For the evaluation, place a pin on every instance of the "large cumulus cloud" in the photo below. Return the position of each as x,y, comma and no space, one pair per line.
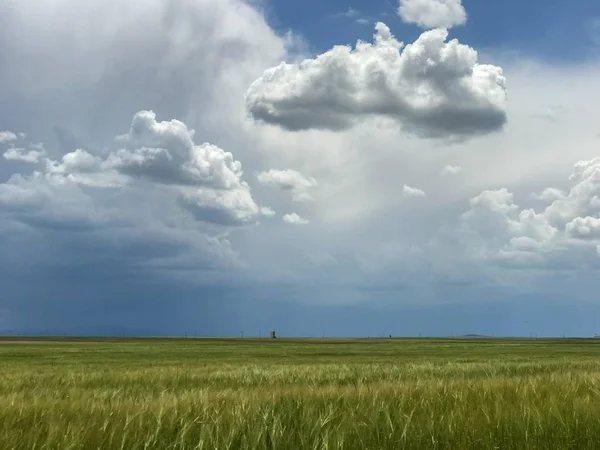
206,178
431,88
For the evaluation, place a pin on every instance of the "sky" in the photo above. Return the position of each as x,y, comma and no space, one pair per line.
363,168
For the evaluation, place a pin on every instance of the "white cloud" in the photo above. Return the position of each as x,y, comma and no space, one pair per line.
408,191
79,161
451,170
584,228
350,13
231,207
295,219
549,195
32,155
433,13
207,178
569,223
432,88
7,136
289,180
81,167
496,201
165,152
355,15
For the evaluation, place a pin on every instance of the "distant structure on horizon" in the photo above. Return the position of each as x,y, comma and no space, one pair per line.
273,335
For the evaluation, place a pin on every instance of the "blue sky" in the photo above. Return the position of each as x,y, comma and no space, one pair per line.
556,30
162,171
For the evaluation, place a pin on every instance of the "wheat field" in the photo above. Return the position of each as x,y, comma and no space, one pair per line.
299,394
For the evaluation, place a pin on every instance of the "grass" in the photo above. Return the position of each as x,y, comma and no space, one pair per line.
293,394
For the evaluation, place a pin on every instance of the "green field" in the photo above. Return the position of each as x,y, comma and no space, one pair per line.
295,394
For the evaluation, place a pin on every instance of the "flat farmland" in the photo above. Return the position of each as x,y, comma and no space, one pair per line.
299,394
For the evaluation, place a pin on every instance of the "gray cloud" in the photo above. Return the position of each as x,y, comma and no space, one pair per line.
431,88
167,55
33,201
289,180
94,226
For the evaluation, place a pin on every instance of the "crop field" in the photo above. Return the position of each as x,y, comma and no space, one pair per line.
299,394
